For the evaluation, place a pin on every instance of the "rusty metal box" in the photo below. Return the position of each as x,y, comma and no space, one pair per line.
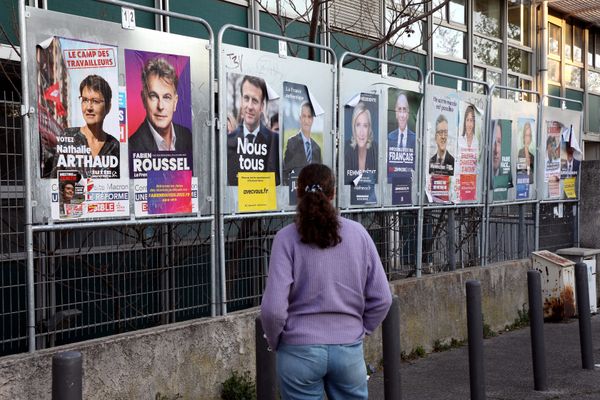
558,284
588,257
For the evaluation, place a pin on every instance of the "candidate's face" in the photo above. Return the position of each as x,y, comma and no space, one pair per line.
93,107
362,126
497,147
527,137
68,192
252,105
402,111
441,136
470,124
306,121
160,103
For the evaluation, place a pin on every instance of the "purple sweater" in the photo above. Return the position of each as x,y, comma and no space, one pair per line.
324,296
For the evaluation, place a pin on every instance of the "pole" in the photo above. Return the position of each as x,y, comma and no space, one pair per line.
536,321
475,331
266,387
67,376
583,309
390,331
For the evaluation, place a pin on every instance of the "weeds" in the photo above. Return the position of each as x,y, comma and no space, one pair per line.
239,387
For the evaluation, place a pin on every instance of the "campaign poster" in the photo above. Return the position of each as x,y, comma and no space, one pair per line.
441,147
78,120
361,122
403,107
253,127
159,129
501,177
302,132
525,166
470,128
552,157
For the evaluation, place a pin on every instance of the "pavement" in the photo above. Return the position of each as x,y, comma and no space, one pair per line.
508,368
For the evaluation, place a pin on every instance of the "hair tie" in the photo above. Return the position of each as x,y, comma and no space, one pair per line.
313,188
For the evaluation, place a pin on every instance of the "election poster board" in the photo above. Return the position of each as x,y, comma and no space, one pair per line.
513,150
561,154
91,96
454,134
274,121
379,140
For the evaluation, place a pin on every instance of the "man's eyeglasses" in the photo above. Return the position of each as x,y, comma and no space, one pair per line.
94,102
442,132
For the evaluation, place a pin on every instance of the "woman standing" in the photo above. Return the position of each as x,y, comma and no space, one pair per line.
326,289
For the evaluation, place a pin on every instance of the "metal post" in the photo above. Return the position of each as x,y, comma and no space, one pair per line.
390,331
266,375
583,309
475,331
451,240
522,232
67,376
536,322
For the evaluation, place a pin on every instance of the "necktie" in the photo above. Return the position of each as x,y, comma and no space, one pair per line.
308,152
401,140
250,138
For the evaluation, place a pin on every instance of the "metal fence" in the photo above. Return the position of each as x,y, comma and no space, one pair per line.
90,283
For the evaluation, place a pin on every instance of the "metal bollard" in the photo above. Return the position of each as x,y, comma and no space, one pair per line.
583,309
536,322
266,374
475,331
67,376
390,331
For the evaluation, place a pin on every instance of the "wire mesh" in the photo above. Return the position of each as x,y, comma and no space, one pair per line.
13,277
451,239
97,282
511,232
558,224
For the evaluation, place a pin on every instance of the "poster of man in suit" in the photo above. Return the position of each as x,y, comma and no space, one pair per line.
252,146
302,133
401,142
159,125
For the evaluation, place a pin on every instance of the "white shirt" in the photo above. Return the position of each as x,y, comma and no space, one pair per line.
160,142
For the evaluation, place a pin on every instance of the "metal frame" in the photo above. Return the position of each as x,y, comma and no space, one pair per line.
27,112
223,217
484,203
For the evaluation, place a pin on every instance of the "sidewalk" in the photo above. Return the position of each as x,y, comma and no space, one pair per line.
508,369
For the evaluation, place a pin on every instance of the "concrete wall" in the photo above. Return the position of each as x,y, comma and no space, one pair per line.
589,214
193,358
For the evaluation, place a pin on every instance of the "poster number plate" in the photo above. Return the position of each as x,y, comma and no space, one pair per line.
127,18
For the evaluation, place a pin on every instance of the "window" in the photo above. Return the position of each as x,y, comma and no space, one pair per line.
594,81
448,42
554,39
485,75
554,70
410,37
287,8
518,60
518,23
486,51
486,17
568,41
449,29
578,44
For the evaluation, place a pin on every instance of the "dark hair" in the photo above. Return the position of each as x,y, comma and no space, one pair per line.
258,82
162,69
316,218
97,84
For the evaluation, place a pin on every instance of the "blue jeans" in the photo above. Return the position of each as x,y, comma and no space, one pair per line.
305,371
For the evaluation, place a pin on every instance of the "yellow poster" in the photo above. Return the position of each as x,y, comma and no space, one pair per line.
256,191
569,187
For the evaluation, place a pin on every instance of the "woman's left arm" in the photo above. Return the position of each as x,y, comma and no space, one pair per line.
275,301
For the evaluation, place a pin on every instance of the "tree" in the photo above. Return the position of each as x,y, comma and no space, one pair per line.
402,18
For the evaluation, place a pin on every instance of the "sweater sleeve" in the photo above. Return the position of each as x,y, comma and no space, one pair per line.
378,297
275,302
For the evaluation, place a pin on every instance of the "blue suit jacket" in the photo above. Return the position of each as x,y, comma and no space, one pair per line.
411,139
